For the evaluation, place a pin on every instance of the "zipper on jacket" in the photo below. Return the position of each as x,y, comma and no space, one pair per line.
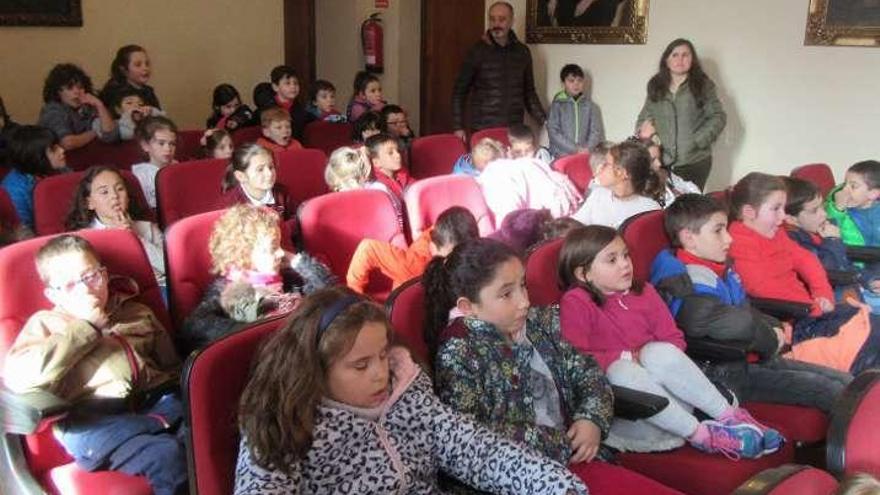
577,122
129,354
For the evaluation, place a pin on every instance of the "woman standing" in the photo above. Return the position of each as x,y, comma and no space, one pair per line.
683,110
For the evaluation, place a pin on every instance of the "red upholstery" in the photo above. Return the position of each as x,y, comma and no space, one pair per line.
406,312
435,155
121,155
802,424
428,198
184,189
541,279
212,410
69,479
497,133
3,171
122,253
645,236
302,171
246,135
577,168
853,435
327,136
8,214
332,225
790,479
54,196
819,174
189,146
603,478
189,262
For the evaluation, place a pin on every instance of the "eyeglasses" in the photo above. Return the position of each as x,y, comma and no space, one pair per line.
91,279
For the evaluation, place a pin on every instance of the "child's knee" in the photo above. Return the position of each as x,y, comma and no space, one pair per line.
660,355
625,372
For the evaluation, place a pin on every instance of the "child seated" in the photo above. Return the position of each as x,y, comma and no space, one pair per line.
674,185
158,139
331,404
388,172
473,163
773,266
453,227
103,201
625,325
626,186
72,112
34,152
503,364
367,125
322,106
284,93
707,299
129,109
573,124
97,346
347,169
367,96
276,131
395,123
255,277
218,144
524,145
229,112
853,206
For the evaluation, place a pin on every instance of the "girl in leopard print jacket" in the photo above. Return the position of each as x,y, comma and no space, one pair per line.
355,415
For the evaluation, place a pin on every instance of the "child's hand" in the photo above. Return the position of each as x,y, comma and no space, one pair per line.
91,100
98,318
874,285
780,338
824,304
584,436
828,229
842,199
120,220
647,129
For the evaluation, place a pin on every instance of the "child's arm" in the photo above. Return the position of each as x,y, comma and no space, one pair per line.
372,255
810,270
55,116
104,126
662,324
251,479
577,317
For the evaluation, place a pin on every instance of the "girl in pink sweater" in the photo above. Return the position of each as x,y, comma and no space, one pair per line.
627,327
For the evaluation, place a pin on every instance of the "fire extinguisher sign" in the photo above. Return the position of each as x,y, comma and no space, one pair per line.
382,4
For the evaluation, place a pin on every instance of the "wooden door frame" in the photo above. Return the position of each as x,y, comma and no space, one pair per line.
299,18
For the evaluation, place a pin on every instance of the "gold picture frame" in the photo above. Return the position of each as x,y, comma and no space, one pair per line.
843,23
608,22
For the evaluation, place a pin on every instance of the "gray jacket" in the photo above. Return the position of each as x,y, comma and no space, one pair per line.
573,124
64,120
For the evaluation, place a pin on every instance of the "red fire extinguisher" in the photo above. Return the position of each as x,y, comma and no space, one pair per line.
371,41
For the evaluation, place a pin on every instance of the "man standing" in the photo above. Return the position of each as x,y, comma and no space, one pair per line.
497,71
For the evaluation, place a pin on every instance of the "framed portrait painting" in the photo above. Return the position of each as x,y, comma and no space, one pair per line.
40,13
587,21
843,23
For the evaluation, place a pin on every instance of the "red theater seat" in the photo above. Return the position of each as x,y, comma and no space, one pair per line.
435,155
189,146
54,196
248,134
577,169
37,456
497,133
819,174
406,312
121,155
790,479
302,172
212,411
327,136
428,198
853,436
8,215
184,189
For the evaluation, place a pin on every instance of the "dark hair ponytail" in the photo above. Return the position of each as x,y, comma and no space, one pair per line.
635,158
241,160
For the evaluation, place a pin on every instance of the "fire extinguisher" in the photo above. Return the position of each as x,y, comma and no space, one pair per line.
371,41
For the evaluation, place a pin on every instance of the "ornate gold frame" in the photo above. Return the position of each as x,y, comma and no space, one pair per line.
818,33
632,31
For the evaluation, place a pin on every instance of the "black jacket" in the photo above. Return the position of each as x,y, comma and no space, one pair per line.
501,85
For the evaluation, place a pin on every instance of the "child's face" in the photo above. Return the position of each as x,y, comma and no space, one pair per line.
656,163
574,85
230,107
130,104
503,302
267,254
55,154
860,195
361,377
108,197
72,95
259,177
373,93
481,160
287,88
397,124
278,131
522,149
77,284
611,270
811,217
768,217
711,242
161,147
138,69
609,173
325,100
224,149
388,158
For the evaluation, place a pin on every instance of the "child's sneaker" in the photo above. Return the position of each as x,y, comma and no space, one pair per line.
773,440
734,441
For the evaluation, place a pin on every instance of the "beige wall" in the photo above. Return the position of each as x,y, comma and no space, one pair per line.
193,44
787,103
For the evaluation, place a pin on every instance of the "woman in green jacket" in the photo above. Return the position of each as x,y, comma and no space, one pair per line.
683,111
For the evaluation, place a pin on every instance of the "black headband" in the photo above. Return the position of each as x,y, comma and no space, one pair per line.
331,313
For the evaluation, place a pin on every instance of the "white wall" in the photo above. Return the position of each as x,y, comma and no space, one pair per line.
787,104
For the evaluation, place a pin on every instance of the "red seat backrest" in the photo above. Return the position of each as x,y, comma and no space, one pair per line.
428,198
497,133
406,312
577,168
189,262
302,172
212,410
819,174
645,236
332,225
8,214
189,146
248,134
789,479
54,197
541,279
121,155
327,136
187,188
435,155
853,435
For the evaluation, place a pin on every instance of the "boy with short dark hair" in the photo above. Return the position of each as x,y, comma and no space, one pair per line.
277,134
574,124
707,299
395,123
285,89
854,205
524,145
112,356
322,103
